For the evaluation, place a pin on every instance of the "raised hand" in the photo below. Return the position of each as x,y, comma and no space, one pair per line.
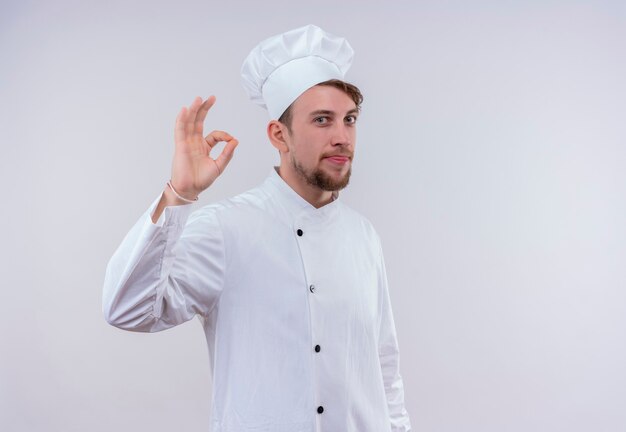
193,169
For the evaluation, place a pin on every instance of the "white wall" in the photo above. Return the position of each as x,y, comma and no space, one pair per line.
491,160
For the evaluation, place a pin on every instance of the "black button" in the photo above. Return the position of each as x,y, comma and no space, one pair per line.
320,409
300,232
317,348
312,288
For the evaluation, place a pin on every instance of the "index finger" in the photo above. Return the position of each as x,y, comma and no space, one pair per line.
217,136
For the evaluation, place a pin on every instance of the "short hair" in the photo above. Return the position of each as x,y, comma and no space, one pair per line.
349,89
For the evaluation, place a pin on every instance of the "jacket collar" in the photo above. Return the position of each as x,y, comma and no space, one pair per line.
296,206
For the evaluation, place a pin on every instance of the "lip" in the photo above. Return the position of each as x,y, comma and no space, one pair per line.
340,160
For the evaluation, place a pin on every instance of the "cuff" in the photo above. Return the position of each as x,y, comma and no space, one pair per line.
172,215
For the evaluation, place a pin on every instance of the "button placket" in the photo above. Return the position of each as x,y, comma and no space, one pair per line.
310,274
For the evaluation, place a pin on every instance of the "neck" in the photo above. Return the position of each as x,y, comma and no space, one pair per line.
312,194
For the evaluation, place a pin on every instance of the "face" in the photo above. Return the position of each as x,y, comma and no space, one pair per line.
322,139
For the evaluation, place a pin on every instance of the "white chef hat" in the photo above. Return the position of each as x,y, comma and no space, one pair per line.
282,67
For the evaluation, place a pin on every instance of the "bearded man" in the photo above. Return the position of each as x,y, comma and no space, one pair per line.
289,282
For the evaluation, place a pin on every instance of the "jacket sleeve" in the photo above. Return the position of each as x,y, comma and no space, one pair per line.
389,356
165,273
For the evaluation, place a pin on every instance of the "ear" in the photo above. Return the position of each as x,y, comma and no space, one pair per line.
278,135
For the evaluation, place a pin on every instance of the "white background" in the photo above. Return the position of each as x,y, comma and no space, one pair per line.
490,158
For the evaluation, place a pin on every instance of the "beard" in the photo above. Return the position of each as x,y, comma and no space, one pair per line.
318,178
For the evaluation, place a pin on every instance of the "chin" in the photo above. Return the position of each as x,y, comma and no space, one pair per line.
323,179
330,183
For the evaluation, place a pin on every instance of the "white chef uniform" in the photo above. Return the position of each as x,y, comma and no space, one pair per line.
293,301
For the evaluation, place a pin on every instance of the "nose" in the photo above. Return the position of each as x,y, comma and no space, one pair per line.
343,135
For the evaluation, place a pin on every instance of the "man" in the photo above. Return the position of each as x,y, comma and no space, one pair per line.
288,282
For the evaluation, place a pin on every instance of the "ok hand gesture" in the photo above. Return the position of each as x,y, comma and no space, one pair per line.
193,169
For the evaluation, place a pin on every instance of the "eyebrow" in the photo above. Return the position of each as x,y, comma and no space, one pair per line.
332,113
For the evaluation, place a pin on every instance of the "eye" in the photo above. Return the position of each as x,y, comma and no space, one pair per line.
321,120
350,119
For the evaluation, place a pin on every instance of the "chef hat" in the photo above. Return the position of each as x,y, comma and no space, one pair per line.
282,67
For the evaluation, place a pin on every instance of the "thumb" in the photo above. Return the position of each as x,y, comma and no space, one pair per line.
226,155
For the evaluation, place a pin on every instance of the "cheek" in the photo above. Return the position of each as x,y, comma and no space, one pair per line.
309,156
301,152
310,147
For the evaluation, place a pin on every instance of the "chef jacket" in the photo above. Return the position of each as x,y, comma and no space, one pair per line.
293,300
